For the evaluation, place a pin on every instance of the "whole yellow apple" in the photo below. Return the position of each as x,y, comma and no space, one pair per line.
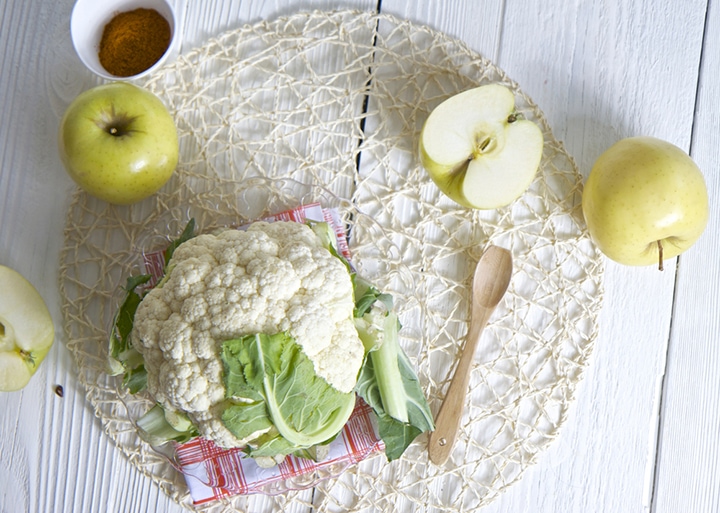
118,142
645,201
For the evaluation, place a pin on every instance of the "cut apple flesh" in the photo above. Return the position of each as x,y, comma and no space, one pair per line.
477,152
500,176
14,372
26,330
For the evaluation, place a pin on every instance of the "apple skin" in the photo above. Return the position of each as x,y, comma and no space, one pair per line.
477,152
118,142
26,330
640,191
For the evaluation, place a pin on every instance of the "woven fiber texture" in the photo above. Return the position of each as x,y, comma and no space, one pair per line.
328,106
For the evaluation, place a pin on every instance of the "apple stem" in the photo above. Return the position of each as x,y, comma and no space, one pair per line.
28,357
660,254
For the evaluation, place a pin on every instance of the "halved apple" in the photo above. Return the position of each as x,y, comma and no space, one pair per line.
478,151
26,330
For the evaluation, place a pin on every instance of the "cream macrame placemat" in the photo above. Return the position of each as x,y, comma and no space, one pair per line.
328,106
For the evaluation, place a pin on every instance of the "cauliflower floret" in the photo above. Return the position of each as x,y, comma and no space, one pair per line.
271,278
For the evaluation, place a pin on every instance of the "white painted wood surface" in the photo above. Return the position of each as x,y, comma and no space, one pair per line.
644,434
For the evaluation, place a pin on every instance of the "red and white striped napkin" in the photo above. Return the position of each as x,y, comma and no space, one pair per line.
212,473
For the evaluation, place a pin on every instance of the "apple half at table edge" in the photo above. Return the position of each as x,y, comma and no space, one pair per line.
26,330
478,151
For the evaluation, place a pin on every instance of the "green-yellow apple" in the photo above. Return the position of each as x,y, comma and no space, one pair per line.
26,330
118,142
478,151
645,201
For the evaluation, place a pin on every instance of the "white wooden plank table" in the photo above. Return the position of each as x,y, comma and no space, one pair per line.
644,433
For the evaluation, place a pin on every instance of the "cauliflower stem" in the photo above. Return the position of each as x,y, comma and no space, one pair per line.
385,365
158,426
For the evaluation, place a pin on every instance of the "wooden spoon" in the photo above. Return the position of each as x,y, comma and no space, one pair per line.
491,280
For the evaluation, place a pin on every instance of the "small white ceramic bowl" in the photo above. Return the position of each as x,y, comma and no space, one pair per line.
89,18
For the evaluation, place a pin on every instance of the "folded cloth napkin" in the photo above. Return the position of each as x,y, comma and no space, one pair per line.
212,473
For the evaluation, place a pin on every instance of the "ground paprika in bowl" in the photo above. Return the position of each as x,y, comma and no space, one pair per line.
123,39
133,41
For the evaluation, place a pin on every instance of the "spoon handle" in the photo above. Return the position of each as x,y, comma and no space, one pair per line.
447,422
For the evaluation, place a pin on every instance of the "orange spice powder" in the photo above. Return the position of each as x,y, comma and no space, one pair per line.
133,41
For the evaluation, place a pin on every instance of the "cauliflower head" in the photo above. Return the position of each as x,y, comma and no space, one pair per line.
271,278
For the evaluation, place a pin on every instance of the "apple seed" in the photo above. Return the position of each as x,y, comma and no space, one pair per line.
484,144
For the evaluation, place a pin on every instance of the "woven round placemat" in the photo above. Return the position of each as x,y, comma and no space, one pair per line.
328,106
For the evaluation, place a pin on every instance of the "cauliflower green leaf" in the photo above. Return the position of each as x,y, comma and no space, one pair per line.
123,358
389,384
187,234
271,388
